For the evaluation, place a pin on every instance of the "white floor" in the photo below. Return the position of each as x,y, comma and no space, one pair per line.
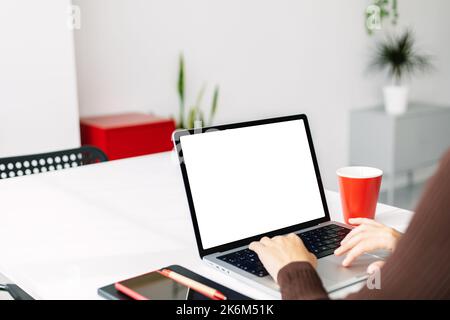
406,197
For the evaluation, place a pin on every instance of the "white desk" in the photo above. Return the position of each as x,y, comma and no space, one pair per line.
64,234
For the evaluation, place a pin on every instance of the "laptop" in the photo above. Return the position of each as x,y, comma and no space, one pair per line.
260,178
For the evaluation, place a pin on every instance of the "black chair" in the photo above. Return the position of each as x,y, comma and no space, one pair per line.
37,163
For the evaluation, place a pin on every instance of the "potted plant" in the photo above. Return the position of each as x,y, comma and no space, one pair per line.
399,56
195,116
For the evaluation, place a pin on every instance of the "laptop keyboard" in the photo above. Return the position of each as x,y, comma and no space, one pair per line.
246,260
321,242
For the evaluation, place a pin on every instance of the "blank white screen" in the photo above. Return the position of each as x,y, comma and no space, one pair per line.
251,180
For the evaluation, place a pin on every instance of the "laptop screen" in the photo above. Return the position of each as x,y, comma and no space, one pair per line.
251,180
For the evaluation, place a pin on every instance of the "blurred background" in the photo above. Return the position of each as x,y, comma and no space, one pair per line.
269,58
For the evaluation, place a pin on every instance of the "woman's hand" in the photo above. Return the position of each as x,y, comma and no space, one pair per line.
369,235
279,251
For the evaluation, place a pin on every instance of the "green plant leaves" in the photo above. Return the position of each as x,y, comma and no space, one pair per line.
385,11
194,113
191,118
399,56
200,95
180,90
214,104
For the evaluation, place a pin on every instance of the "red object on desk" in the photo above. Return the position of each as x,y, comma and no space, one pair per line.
128,135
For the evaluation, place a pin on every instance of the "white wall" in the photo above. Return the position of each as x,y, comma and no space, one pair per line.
38,97
270,57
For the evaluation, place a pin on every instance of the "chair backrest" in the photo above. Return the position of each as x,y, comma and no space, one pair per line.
43,162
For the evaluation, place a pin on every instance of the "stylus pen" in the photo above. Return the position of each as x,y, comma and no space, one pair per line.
194,285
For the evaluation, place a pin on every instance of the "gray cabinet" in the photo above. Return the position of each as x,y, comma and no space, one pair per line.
399,144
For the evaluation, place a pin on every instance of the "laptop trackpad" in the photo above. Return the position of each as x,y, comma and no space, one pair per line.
333,274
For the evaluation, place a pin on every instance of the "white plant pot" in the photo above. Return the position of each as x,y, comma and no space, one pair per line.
396,99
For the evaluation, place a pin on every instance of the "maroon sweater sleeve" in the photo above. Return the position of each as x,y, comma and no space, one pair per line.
419,268
299,280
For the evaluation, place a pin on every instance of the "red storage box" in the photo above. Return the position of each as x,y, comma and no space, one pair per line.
128,135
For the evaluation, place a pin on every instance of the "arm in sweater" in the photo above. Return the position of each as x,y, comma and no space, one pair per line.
418,268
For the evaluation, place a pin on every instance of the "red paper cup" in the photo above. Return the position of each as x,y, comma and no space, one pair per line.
359,188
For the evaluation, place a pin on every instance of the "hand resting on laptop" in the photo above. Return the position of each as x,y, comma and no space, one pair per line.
368,236
279,251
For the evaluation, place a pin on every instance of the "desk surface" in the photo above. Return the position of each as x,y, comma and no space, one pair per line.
64,234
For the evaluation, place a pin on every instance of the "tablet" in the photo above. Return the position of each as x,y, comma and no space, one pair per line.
153,286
